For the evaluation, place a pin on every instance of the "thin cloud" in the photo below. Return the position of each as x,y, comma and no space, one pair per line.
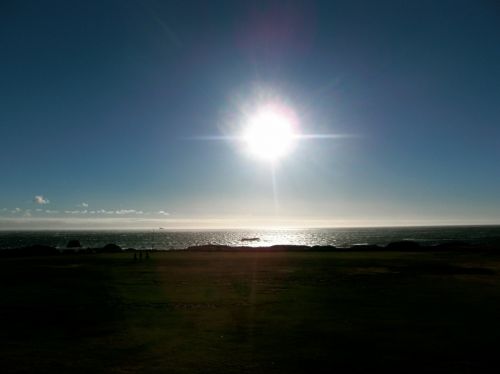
124,211
128,211
119,212
83,205
103,211
163,213
39,199
76,211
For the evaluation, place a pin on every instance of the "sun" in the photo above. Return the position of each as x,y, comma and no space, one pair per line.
269,134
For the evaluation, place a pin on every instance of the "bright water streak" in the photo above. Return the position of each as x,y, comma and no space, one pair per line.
340,237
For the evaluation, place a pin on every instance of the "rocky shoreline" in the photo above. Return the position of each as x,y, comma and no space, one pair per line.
400,246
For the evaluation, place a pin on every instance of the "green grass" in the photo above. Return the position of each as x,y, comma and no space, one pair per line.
284,312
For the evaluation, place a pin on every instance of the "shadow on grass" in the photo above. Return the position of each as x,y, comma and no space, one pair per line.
250,313
56,314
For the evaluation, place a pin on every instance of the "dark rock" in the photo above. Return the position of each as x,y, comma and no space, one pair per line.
452,246
73,244
210,247
226,248
324,248
405,245
365,247
111,248
290,248
86,251
34,250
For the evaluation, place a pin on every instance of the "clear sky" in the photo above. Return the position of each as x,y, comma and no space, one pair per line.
121,113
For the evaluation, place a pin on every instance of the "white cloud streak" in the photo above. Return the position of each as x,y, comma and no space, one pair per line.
128,211
76,211
95,212
39,199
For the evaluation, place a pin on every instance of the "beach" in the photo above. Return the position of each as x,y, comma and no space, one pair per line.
250,312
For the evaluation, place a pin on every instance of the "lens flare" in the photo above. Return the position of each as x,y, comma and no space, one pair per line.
269,134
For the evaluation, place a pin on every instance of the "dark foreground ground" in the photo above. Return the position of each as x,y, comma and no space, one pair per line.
284,312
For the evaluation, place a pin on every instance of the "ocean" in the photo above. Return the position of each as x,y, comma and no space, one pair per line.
180,239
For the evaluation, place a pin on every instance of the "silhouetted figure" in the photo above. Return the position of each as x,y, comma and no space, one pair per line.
147,255
140,255
135,256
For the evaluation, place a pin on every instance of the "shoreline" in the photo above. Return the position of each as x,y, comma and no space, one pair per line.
37,250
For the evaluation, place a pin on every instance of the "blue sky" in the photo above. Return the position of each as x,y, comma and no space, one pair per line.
104,103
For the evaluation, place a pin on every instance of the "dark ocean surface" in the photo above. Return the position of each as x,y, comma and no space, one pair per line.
340,237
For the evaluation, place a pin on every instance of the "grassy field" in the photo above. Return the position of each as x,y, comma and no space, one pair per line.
285,312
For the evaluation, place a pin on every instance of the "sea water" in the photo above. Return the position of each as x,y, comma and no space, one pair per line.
180,239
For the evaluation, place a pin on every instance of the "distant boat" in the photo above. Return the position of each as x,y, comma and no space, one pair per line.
250,239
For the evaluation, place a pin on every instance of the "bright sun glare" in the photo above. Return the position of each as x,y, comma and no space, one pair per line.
269,134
